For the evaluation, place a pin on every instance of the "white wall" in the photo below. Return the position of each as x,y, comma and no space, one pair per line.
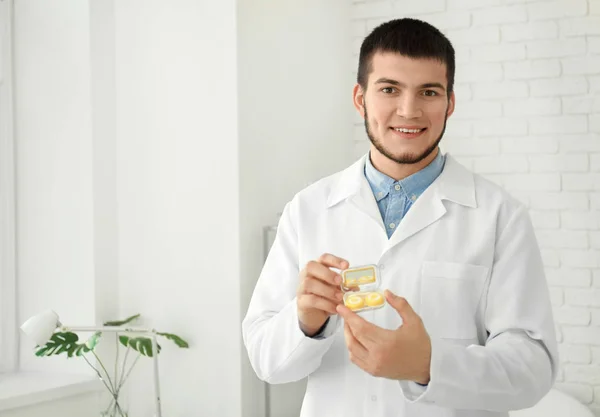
295,117
177,165
528,117
53,136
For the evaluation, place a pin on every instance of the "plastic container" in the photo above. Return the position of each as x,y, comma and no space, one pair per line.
361,288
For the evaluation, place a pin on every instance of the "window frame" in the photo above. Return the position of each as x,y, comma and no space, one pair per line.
9,336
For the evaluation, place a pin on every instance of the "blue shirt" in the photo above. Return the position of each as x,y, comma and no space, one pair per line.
395,198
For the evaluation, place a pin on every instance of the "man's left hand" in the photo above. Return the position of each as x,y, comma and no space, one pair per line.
403,354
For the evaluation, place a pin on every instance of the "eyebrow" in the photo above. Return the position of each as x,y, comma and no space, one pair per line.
394,82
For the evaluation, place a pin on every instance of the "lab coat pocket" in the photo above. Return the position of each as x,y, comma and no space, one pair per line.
450,294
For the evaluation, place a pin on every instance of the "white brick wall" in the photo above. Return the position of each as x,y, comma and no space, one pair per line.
528,117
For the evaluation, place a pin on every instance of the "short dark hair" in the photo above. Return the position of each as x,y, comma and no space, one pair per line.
409,37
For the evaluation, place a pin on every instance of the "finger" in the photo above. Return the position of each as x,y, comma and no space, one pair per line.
322,272
308,301
355,348
366,333
401,306
333,261
317,287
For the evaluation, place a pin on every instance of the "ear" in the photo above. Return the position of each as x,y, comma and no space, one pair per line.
451,104
358,98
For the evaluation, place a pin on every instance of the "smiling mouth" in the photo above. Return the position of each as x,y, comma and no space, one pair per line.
404,130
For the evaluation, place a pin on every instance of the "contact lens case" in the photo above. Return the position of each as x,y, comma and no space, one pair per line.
361,288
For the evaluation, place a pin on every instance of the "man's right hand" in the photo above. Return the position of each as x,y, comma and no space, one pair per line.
319,292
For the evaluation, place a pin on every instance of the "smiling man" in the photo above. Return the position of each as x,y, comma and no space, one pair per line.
467,329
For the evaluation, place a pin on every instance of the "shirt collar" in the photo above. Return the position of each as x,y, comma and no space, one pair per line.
413,185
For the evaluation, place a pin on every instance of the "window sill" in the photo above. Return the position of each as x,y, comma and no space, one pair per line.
28,388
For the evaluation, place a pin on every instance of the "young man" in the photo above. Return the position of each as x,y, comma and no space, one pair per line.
467,329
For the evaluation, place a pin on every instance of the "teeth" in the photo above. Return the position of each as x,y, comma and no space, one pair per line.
407,130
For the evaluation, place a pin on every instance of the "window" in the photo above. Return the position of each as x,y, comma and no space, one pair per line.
8,317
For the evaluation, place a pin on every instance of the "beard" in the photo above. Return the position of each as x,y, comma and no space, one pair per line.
406,158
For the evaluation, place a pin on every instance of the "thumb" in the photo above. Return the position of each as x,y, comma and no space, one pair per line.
400,305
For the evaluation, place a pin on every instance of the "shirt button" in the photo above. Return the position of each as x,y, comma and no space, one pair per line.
392,225
414,197
380,194
373,397
397,187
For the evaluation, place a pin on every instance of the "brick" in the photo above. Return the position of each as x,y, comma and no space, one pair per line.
550,258
560,9
471,4
594,11
594,82
595,239
505,89
582,335
580,220
576,316
595,201
581,182
589,374
499,53
458,129
497,15
559,337
529,31
463,92
475,36
583,297
546,68
577,105
596,105
472,147
532,107
579,143
581,65
582,392
580,258
451,19
358,28
595,162
581,26
562,239
556,48
575,353
477,110
532,182
569,277
564,86
527,145
501,164
556,296
593,45
560,163
594,123
559,201
558,124
479,72
408,7
545,219
500,127
370,10
465,161
596,322
560,375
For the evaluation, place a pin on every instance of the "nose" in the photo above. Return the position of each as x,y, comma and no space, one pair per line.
408,107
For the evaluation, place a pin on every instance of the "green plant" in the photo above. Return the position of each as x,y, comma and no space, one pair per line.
68,343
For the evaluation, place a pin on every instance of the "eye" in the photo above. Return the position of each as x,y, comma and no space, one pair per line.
388,90
430,93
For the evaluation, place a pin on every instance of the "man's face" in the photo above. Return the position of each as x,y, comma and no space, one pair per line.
405,106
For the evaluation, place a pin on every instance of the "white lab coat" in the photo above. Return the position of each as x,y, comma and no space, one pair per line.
465,257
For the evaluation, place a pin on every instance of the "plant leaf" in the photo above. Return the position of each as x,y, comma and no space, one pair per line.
122,322
93,340
124,340
176,339
142,345
60,342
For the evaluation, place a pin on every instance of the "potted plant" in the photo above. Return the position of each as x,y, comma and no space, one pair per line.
68,343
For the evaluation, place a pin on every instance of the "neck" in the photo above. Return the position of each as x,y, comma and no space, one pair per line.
399,171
